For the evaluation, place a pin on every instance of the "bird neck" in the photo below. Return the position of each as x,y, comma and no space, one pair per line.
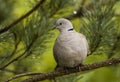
67,31
71,29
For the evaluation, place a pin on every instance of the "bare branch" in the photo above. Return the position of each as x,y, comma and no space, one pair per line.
5,29
52,75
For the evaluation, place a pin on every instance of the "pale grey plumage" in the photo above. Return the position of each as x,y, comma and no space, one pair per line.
71,47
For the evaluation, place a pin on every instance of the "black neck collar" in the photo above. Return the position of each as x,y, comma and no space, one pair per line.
71,29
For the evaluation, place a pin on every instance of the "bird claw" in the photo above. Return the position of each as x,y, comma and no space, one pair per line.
78,67
58,68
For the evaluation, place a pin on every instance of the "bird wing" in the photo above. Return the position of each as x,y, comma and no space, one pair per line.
85,41
55,52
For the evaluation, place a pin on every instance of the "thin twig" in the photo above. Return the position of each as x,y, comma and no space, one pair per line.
22,75
12,71
5,29
52,75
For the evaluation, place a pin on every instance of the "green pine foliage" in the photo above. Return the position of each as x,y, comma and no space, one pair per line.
100,28
29,43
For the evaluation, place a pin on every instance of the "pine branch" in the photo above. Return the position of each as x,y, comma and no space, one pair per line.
52,75
18,57
5,29
15,46
80,11
16,43
114,47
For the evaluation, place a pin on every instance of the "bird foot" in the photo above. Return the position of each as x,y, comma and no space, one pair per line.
78,67
58,68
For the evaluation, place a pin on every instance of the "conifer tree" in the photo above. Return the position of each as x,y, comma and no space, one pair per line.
26,41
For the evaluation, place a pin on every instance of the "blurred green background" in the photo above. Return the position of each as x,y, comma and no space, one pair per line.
33,37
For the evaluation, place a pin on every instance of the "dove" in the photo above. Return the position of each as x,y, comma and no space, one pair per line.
70,48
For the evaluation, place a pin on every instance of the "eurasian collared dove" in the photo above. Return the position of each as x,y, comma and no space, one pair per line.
71,47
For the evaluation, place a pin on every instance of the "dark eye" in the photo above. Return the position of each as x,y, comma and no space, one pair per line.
60,23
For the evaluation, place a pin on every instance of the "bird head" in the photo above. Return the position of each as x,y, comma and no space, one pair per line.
63,24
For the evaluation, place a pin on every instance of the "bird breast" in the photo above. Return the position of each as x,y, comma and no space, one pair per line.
70,49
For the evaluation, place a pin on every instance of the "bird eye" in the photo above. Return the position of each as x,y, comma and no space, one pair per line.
60,23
